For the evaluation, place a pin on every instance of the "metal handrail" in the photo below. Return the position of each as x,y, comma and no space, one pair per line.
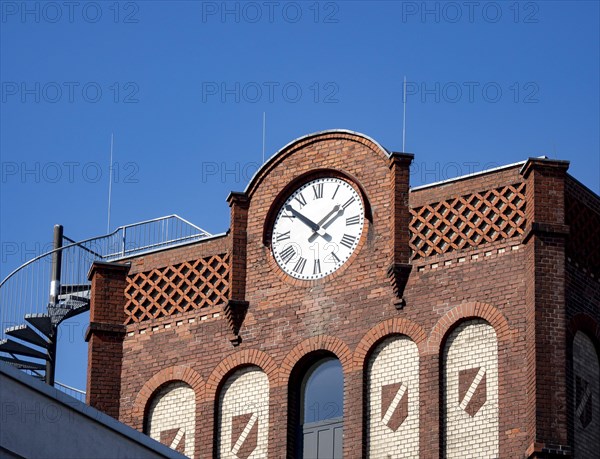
116,231
72,391
25,290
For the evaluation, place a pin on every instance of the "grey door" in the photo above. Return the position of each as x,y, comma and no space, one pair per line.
323,439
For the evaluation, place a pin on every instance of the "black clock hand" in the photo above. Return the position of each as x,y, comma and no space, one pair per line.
308,222
340,212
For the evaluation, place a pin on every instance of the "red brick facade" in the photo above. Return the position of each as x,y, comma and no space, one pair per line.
504,247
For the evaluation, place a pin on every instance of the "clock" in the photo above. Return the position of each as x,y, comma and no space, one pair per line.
317,228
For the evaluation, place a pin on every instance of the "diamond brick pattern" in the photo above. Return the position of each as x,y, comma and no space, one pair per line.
467,221
179,288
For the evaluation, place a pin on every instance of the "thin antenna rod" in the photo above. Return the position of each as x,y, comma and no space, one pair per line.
404,117
264,135
110,175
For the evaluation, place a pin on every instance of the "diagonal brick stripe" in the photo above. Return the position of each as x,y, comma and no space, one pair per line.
174,439
394,405
583,401
472,389
244,435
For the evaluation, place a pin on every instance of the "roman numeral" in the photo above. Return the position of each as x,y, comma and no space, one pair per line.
299,267
318,190
284,215
301,200
335,192
353,220
348,202
282,236
288,253
317,267
347,240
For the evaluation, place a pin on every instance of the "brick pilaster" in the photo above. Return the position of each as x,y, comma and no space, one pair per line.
105,336
399,268
546,313
237,306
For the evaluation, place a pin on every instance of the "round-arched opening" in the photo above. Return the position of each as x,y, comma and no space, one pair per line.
175,429
316,408
323,391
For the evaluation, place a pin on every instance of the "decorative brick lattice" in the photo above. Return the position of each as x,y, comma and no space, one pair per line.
584,225
179,288
467,221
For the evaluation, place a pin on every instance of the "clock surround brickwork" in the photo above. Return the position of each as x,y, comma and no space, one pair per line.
530,288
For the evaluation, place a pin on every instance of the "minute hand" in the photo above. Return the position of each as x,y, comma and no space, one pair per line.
308,222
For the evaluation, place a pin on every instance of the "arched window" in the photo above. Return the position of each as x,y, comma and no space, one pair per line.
171,417
586,385
470,407
243,415
392,384
320,407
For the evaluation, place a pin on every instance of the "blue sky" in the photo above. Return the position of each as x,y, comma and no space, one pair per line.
183,87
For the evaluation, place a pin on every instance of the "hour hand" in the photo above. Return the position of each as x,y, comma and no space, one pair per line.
308,222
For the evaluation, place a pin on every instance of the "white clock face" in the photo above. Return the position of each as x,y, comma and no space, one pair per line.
318,228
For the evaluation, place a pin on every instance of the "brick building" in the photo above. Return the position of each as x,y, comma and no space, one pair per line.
345,314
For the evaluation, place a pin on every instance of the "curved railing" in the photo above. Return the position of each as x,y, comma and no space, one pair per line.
26,289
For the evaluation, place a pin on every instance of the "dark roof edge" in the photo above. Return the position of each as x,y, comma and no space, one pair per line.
87,411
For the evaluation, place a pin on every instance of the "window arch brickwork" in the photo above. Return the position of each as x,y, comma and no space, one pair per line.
470,408
171,417
243,415
393,399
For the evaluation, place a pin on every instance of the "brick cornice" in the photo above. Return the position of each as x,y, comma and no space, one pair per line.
103,266
104,328
543,163
549,229
238,198
399,158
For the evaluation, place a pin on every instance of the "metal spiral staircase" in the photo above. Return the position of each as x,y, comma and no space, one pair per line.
30,312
